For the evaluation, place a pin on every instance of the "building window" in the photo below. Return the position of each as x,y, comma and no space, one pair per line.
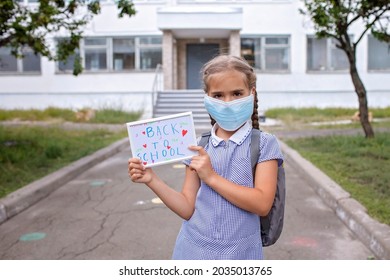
323,55
150,52
123,54
28,62
27,1
8,62
267,53
117,54
378,54
68,64
95,51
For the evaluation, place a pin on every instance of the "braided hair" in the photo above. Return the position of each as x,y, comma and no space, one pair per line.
226,62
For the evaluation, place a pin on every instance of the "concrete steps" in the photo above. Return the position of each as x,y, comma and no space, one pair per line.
179,101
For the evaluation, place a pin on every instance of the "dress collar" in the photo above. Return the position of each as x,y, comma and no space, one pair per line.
238,137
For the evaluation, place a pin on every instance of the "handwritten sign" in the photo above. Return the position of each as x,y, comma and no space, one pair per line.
162,140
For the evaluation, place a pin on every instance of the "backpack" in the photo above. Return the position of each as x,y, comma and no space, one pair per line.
271,226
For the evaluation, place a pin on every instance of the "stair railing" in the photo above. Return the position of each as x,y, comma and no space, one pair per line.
157,85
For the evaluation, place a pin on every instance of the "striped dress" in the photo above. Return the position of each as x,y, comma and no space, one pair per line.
219,230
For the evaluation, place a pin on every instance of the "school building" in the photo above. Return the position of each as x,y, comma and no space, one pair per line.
128,62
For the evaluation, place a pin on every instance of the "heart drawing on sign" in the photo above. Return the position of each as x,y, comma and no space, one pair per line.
144,145
184,132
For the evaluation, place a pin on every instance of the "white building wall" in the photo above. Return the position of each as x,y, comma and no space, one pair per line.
105,24
284,18
49,82
133,89
143,23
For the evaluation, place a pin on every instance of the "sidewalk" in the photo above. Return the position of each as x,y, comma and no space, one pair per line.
91,210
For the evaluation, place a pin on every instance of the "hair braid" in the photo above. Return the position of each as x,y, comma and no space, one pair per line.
212,121
255,115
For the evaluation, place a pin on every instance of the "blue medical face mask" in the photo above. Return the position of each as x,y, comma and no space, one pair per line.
230,115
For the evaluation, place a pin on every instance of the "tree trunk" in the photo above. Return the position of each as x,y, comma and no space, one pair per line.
362,96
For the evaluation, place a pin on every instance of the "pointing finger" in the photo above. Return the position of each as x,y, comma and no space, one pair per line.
198,149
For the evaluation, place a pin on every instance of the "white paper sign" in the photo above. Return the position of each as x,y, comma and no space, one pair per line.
162,140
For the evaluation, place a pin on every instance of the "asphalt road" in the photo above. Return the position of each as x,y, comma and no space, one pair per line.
101,214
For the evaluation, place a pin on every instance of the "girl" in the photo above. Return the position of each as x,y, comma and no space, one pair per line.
219,201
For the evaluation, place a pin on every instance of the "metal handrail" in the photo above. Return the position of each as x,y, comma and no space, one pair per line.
157,85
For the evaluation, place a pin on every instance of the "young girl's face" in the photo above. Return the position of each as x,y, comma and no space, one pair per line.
228,86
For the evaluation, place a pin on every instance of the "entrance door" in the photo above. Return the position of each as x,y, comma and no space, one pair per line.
197,56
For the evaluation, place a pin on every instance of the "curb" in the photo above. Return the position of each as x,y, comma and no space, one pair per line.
25,197
375,235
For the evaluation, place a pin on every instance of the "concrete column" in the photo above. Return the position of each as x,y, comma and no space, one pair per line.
167,59
235,43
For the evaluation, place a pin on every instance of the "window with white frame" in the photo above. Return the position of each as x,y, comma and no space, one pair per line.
117,54
150,52
267,53
323,55
123,54
378,54
95,53
229,1
27,1
115,1
27,63
36,1
67,66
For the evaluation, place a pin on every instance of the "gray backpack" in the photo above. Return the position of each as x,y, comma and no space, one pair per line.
271,225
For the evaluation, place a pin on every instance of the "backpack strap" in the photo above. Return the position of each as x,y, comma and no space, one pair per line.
205,139
255,148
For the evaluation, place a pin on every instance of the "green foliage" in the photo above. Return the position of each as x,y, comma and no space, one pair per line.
361,166
29,153
312,114
37,115
336,19
115,116
31,26
53,151
125,8
105,115
333,18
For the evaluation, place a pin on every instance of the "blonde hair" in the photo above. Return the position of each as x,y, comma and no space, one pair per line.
226,62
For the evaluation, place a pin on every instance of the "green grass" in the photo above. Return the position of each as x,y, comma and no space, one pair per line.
295,117
105,115
113,116
361,166
38,115
29,153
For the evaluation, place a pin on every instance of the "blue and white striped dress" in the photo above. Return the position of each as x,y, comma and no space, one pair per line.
217,229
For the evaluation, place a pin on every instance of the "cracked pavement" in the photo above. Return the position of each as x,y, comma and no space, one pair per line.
101,214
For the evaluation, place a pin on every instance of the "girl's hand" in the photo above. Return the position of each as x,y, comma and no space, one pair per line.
138,173
202,164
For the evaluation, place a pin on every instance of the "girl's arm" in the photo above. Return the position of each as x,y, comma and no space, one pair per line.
257,200
182,203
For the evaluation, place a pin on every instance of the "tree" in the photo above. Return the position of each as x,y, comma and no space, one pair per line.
335,19
33,25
